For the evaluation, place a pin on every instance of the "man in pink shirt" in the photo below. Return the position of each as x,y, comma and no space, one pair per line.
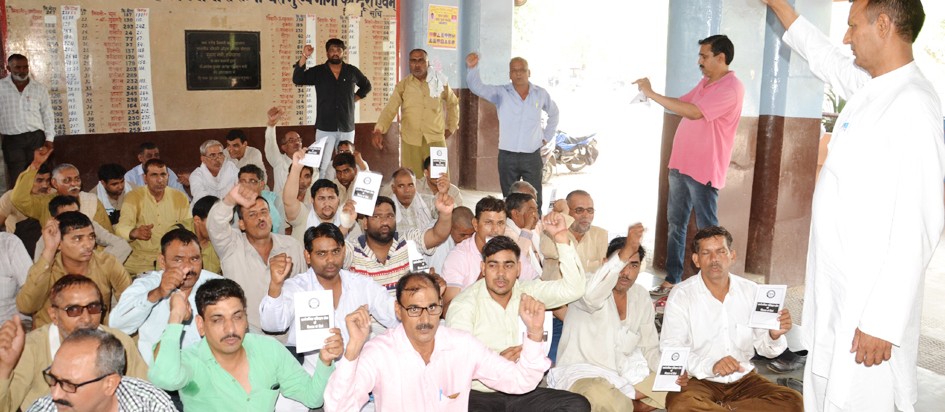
422,366
702,147
463,264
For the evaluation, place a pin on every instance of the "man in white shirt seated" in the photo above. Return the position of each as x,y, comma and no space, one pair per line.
322,206
145,305
426,185
461,230
709,314
345,146
215,176
325,253
240,153
609,348
464,263
487,310
413,211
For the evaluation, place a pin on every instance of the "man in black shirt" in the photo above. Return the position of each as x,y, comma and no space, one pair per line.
335,83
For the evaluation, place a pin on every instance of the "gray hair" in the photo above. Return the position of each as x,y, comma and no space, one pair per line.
208,144
110,354
404,171
59,169
522,186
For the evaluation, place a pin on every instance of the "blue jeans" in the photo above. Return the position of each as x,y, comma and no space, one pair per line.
686,195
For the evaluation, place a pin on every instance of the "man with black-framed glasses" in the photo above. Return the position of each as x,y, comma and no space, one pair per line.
77,304
420,365
87,376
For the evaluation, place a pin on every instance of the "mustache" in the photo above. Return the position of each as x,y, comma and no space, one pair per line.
232,335
425,326
62,402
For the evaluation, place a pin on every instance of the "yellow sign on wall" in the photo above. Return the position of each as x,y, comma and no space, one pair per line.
442,26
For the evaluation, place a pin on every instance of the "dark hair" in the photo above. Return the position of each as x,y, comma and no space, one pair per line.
239,208
515,201
343,159
618,243
110,354
181,235
401,171
16,56
328,230
215,290
907,15
69,221
489,204
146,146
111,171
710,232
385,199
45,170
202,207
426,163
251,168
156,162
309,168
334,42
720,44
424,277
347,142
498,244
236,134
69,281
61,201
323,184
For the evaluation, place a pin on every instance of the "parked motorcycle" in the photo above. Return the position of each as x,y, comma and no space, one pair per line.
574,152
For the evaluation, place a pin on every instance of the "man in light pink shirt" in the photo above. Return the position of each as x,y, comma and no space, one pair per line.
422,366
463,263
702,147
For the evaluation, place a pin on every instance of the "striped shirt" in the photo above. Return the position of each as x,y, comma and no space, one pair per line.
362,261
134,395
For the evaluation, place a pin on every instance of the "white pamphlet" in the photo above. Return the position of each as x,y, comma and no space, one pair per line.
673,363
640,98
546,330
313,154
439,164
366,187
314,316
552,196
769,300
417,262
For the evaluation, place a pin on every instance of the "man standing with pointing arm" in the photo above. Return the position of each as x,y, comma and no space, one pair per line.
889,136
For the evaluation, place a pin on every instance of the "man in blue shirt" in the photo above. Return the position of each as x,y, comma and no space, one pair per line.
519,106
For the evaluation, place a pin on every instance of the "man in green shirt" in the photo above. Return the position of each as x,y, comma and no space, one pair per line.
230,369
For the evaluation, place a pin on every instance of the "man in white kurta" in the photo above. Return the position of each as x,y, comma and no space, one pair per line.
607,352
877,211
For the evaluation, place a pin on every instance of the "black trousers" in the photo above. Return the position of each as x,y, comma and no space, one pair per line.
538,400
515,166
18,152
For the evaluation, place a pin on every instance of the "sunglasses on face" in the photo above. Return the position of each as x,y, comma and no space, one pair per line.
93,308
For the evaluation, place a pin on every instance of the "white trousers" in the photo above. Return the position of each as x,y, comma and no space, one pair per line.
871,390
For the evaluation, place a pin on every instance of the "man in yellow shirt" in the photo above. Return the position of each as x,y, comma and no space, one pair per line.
148,213
420,98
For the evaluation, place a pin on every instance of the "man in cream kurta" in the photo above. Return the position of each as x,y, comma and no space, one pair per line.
868,253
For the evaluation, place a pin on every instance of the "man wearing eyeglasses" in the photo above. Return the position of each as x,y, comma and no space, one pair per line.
76,304
279,153
590,241
421,365
145,305
252,177
86,376
69,249
215,176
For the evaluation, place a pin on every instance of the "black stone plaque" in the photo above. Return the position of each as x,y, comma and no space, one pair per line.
222,60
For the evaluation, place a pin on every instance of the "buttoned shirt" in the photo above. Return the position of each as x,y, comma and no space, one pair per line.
713,330
390,368
334,106
702,147
135,177
421,105
251,156
594,336
140,208
519,119
134,313
37,206
243,264
277,314
134,395
26,384
26,111
203,183
280,162
110,277
429,196
111,205
205,386
360,258
528,241
474,310
419,215
591,249
463,265
14,263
